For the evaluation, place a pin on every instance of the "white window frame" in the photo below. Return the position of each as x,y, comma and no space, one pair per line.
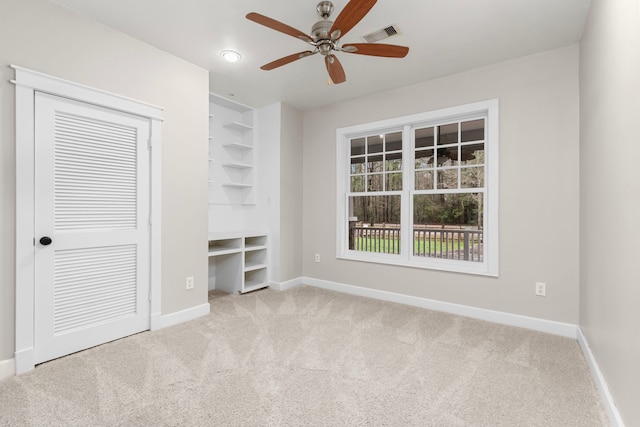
487,109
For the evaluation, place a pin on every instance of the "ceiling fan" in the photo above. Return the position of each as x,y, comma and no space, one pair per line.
325,37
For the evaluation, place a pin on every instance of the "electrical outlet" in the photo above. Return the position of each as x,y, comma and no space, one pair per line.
317,258
189,283
541,289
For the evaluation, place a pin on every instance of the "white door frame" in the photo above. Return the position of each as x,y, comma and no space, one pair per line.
27,82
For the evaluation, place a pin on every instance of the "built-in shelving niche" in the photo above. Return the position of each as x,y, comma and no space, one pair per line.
231,153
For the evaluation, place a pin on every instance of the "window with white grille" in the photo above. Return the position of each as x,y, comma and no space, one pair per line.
421,190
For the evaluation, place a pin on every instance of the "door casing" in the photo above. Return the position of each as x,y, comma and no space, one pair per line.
27,82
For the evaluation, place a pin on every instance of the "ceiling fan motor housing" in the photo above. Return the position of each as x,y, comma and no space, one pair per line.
320,30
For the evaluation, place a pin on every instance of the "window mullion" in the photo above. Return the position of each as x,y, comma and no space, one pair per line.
408,177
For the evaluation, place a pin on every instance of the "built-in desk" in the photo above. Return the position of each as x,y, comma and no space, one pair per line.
238,262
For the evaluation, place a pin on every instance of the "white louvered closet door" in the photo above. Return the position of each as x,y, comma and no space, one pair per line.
92,201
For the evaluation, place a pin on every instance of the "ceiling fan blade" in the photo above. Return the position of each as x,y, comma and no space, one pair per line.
334,67
287,59
376,49
352,13
278,26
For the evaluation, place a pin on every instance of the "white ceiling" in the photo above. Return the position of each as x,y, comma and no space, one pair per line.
444,36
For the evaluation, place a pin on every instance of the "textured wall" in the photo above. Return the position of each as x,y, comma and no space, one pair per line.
538,182
610,196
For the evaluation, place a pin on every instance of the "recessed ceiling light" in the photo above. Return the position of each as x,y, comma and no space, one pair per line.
230,55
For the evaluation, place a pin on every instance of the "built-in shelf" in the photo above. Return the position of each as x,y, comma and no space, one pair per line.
253,286
231,154
222,251
238,126
237,165
254,267
238,145
238,263
255,243
232,184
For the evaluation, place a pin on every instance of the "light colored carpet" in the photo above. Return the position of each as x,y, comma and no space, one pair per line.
311,357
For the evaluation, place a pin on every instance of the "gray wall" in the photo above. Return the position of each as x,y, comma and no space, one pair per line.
48,38
610,196
291,192
539,123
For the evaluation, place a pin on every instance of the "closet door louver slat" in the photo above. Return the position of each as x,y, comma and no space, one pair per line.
95,180
93,285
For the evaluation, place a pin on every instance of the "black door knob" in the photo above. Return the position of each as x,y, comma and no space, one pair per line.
45,241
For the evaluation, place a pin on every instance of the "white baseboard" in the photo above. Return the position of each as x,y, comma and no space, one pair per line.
551,327
159,322
289,284
7,368
601,384
24,360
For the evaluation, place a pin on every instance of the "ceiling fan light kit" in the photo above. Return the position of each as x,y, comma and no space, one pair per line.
325,37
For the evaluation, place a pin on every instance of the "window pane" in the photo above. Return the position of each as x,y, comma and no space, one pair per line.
424,180
393,141
472,154
447,178
448,226
424,137
424,159
394,162
357,165
375,224
472,177
374,144
376,164
447,156
357,184
375,182
448,134
472,130
357,146
394,182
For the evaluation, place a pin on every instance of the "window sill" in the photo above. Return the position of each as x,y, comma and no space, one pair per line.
450,266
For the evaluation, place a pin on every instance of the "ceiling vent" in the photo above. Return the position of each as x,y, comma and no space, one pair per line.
382,34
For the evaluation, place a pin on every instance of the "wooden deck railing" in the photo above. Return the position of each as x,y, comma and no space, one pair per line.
430,242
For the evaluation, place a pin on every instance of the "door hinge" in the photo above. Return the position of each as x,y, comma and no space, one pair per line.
34,241
149,143
149,295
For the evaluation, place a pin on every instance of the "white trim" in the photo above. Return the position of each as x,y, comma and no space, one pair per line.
489,110
541,325
285,286
25,232
601,383
27,82
7,368
181,316
155,253
56,86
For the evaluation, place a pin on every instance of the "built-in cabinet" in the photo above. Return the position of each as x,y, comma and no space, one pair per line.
238,263
238,258
231,153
